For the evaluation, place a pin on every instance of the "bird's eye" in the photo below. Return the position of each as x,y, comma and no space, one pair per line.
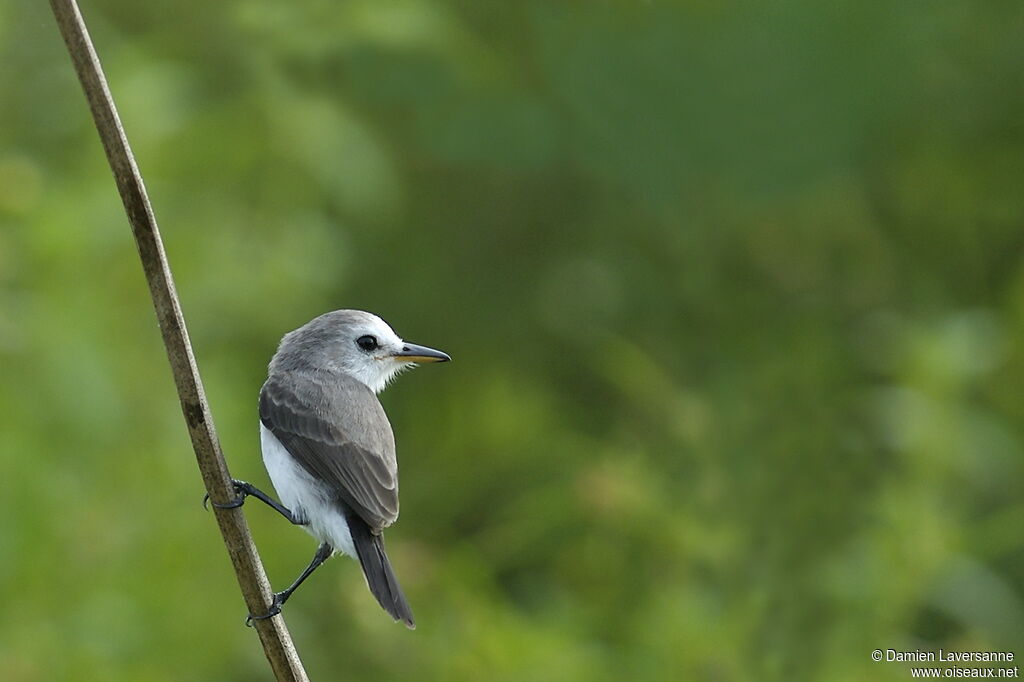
367,342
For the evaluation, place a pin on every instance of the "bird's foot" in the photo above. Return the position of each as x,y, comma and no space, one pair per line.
275,608
241,487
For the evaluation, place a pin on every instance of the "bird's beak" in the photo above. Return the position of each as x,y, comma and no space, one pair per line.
412,353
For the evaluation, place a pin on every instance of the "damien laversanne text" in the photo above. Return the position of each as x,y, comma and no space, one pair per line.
917,656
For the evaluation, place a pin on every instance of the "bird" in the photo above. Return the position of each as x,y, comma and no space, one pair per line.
328,446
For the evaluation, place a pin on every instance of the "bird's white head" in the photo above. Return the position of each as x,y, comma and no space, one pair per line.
358,343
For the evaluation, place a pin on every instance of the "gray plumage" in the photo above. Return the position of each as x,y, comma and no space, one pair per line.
319,406
336,429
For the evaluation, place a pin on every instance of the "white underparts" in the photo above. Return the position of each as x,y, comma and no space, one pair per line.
304,495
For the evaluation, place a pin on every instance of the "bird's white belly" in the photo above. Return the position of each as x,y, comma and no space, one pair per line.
304,495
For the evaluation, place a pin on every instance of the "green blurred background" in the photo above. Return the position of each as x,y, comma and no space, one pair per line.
735,293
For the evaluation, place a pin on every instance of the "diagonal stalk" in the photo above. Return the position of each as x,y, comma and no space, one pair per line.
252,578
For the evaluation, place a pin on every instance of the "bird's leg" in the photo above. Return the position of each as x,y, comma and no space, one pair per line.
322,554
245,490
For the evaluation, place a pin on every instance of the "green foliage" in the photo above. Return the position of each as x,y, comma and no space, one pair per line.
734,292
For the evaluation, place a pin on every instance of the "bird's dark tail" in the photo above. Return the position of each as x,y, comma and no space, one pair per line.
377,569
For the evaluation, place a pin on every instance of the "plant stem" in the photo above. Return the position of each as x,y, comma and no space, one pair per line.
252,578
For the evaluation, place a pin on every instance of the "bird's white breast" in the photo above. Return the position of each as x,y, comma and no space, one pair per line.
304,495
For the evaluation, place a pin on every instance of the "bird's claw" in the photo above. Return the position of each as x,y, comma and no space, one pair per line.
275,608
241,487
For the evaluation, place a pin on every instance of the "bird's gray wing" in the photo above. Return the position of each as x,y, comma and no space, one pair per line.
336,429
